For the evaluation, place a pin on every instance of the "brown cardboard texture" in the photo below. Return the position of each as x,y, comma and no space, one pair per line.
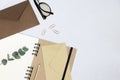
38,60
17,18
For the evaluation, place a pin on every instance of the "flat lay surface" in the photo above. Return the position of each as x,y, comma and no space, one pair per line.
91,26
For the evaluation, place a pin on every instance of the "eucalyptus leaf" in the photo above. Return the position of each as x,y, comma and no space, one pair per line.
16,55
4,61
21,52
25,48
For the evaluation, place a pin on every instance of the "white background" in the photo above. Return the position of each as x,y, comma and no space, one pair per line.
92,26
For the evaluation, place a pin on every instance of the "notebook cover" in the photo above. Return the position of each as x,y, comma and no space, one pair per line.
39,60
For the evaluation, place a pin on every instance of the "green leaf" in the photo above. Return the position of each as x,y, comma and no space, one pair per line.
21,52
25,48
16,55
4,61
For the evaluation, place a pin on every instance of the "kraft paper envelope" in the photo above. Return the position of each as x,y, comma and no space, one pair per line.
17,18
55,58
39,74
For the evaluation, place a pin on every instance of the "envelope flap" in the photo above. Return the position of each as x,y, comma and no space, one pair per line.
55,57
14,12
59,58
21,17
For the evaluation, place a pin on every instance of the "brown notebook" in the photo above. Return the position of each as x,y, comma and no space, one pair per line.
50,61
17,18
37,69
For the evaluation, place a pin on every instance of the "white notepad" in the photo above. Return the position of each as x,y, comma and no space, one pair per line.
16,69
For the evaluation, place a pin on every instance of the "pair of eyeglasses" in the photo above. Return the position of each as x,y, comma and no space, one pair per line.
43,8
